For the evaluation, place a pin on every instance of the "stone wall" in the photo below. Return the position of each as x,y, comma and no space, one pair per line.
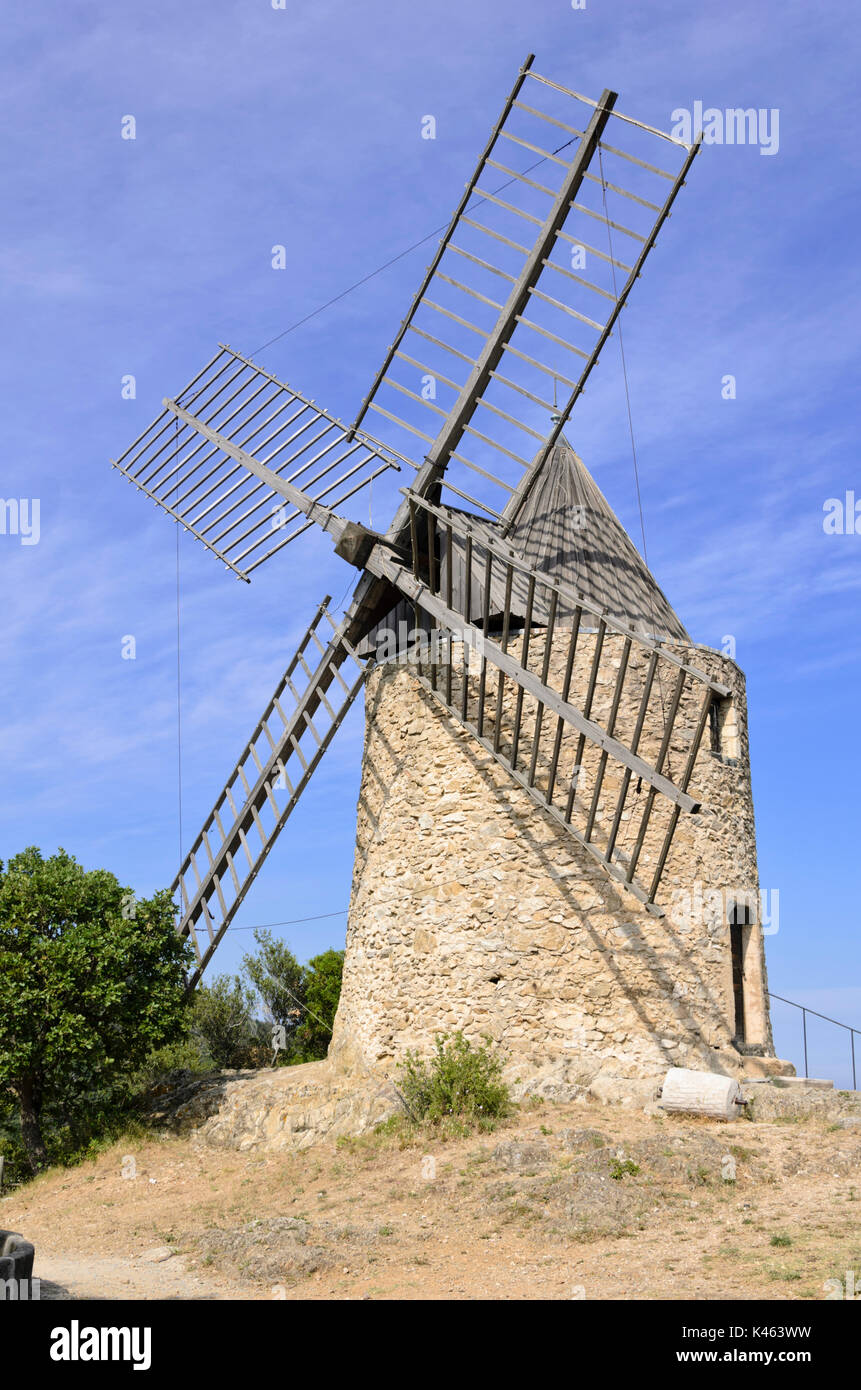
473,909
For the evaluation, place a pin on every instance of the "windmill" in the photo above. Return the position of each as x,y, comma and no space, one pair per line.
545,637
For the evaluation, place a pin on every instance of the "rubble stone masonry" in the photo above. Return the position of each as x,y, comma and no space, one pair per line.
472,908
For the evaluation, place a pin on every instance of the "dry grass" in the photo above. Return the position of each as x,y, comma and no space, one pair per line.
557,1199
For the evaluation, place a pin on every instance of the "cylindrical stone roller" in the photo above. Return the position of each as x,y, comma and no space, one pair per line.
701,1093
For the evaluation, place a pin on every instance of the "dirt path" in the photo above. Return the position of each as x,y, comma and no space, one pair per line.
121,1277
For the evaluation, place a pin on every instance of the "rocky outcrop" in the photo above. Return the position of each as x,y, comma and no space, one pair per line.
282,1108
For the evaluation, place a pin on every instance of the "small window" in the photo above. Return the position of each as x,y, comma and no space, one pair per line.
740,919
714,726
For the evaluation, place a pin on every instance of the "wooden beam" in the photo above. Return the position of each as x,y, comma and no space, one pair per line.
490,355
611,728
383,562
669,721
554,812
527,482
545,671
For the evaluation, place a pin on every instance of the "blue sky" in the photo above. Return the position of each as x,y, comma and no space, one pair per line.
301,127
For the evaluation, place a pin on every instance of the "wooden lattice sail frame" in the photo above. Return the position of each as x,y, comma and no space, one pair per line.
237,447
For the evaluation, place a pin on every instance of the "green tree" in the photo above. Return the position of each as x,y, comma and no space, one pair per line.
222,1022
90,982
279,980
322,991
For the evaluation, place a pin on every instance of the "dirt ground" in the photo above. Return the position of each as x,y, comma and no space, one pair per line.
559,1202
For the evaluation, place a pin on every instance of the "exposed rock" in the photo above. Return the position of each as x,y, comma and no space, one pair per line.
616,1090
267,1250
699,1160
583,1139
295,1107
519,1155
769,1101
586,1203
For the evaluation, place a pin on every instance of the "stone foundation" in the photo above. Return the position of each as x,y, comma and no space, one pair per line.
474,909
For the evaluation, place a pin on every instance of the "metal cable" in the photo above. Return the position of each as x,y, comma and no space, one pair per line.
633,446
438,231
178,667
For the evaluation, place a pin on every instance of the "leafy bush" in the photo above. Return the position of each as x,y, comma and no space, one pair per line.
321,990
223,1025
186,1056
459,1079
279,980
299,1001
619,1168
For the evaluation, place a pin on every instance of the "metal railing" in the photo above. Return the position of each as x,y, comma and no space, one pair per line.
804,1012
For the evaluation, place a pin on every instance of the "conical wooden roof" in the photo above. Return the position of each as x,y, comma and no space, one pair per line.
567,529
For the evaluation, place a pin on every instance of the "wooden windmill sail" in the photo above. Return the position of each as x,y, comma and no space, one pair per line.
501,541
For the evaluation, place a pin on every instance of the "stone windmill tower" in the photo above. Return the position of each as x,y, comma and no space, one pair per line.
555,839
